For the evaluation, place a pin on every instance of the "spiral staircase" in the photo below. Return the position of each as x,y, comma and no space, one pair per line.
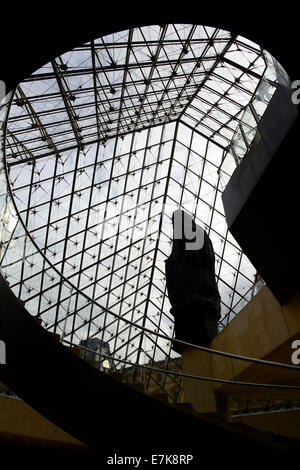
77,397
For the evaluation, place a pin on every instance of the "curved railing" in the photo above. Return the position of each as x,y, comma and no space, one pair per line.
104,356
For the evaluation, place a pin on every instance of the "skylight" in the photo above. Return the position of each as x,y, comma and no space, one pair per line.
103,144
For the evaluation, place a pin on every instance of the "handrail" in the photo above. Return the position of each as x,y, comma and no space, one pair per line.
190,376
221,353
213,351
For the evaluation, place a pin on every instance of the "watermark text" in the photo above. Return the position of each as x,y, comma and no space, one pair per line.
296,354
2,352
2,90
296,93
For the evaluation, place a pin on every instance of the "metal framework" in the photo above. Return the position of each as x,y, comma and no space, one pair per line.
103,143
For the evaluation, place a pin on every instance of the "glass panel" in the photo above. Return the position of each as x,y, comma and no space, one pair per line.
97,163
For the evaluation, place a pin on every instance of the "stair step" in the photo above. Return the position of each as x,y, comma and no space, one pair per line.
116,376
240,427
138,387
186,407
141,388
275,440
159,396
55,335
120,377
266,437
76,350
6,281
211,417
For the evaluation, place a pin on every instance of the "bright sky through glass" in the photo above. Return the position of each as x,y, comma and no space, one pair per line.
103,144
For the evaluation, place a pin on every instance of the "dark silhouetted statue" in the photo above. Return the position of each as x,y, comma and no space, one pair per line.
191,283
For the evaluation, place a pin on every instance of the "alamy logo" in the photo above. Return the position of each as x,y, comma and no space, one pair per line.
2,90
296,354
296,93
185,228
2,352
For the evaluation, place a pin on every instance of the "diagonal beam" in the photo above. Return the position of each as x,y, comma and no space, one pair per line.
66,95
